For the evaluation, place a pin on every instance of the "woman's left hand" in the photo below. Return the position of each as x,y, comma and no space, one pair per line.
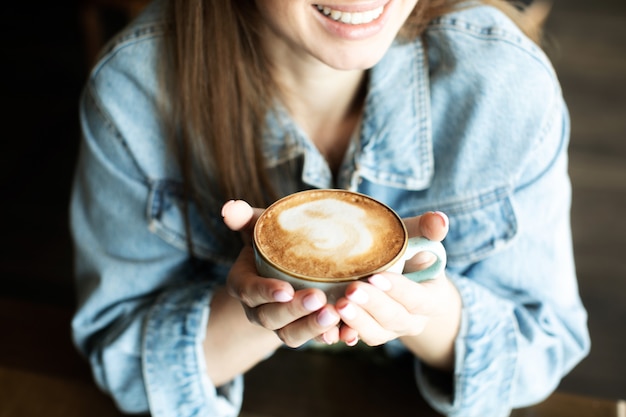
388,306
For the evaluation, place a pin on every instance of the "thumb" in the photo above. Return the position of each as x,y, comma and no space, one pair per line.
433,225
240,216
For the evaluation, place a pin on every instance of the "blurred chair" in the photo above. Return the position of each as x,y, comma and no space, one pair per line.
93,19
538,11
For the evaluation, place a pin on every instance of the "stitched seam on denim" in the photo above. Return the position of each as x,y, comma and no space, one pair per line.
421,108
467,257
488,33
563,141
461,204
157,188
455,21
176,238
111,126
164,303
470,203
137,35
500,196
463,401
281,125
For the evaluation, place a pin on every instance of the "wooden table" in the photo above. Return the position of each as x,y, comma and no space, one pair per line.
42,375
314,384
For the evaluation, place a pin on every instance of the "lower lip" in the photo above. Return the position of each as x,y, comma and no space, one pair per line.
353,32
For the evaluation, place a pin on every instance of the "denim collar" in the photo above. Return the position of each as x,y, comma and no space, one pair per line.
395,138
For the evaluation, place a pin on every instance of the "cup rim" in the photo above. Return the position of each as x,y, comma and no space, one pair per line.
317,279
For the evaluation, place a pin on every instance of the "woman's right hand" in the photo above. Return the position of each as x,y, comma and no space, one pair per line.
295,316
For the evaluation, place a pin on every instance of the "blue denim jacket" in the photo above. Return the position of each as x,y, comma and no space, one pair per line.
473,125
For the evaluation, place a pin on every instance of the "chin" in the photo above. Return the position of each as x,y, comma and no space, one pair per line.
354,60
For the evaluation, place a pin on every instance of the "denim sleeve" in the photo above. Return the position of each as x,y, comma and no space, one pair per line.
142,309
523,324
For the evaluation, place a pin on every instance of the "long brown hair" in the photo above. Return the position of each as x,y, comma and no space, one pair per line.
218,96
221,90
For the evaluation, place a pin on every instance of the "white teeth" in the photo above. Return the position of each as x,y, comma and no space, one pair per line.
353,18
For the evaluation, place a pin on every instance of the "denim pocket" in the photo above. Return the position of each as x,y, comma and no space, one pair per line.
166,208
479,226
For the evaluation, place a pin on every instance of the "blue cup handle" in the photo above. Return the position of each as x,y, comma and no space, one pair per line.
420,244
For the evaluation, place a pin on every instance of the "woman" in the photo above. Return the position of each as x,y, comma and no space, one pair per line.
429,106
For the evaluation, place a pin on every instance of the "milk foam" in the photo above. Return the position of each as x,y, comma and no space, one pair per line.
330,226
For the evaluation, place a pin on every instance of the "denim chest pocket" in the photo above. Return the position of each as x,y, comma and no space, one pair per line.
166,208
479,226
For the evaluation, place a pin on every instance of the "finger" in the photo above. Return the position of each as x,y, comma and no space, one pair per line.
329,337
349,336
274,316
433,225
380,306
244,283
362,323
369,313
239,215
310,327
426,298
419,261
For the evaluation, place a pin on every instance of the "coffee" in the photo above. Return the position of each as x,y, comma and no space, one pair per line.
330,234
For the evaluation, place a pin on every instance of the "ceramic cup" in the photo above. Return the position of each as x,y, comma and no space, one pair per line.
328,238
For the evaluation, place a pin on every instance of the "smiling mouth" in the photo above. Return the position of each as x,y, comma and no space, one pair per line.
351,18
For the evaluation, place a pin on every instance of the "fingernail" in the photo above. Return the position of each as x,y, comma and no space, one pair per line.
444,218
353,342
326,339
348,312
228,203
312,303
326,318
380,282
282,296
358,296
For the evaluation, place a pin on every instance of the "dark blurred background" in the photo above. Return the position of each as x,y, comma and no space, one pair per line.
46,53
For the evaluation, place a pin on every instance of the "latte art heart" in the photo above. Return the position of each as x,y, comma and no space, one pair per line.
327,227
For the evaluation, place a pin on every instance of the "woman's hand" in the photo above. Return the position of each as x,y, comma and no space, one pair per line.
425,316
295,316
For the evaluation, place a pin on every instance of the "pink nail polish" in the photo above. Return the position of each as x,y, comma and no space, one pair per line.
312,303
380,282
229,202
282,296
348,312
326,339
353,342
325,318
358,296
444,218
